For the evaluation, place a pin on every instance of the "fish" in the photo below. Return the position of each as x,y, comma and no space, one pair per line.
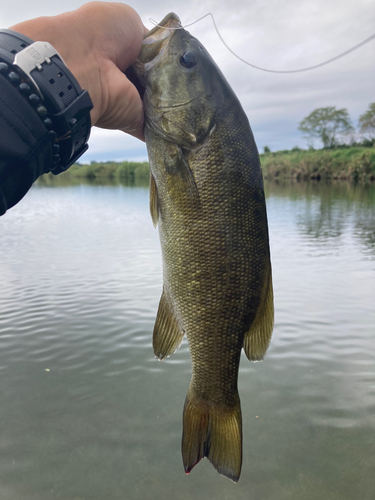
207,199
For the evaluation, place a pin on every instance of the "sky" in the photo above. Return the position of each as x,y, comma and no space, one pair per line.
281,35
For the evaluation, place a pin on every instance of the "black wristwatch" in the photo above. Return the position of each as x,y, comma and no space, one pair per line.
39,73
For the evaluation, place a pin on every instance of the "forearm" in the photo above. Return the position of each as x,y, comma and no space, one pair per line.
98,42
25,146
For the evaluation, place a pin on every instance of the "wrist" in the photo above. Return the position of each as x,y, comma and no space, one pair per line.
78,57
38,73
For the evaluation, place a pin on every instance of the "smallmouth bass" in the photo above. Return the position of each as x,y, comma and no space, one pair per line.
207,198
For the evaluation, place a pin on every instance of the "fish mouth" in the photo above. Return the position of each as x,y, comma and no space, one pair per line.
170,21
154,47
156,41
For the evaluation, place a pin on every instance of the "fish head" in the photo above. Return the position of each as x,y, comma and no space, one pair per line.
182,84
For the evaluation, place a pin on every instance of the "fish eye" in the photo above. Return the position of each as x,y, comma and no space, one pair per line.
188,59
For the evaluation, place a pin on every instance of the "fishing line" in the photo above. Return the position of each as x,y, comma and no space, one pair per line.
372,37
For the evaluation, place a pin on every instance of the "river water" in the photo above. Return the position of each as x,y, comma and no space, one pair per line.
87,413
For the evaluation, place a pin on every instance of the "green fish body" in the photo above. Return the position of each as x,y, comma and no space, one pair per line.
207,198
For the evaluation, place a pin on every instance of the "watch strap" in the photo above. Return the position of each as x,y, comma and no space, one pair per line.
59,100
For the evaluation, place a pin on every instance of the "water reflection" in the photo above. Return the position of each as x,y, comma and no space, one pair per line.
80,285
331,209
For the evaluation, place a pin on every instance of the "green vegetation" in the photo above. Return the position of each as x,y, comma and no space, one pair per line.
335,161
126,171
110,172
350,163
367,122
326,124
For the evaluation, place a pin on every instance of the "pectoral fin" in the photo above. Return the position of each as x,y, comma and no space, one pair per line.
167,336
258,337
178,167
154,201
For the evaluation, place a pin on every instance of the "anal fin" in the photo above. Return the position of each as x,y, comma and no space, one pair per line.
167,336
258,337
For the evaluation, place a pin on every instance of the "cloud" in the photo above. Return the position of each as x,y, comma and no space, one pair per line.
273,34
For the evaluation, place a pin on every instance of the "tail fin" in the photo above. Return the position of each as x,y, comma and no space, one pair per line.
215,433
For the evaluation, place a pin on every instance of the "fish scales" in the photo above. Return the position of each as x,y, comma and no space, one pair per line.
208,200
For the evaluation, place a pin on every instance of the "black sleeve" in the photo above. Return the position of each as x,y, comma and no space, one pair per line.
25,146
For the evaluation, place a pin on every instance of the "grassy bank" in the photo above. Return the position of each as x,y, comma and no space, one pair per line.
353,164
356,163
125,171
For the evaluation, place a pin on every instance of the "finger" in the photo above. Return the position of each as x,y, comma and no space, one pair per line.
123,105
115,30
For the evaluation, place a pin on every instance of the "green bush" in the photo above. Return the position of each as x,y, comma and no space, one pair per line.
125,171
355,163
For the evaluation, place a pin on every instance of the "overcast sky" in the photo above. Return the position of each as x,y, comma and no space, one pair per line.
282,35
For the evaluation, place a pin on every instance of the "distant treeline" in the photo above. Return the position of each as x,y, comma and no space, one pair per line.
125,171
350,163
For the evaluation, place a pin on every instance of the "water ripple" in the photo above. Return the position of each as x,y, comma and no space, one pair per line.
86,406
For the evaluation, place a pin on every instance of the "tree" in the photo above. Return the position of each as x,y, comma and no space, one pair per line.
367,121
326,124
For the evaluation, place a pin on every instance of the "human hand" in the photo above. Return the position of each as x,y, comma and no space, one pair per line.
98,42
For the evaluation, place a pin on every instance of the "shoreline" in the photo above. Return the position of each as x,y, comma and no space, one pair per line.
350,164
